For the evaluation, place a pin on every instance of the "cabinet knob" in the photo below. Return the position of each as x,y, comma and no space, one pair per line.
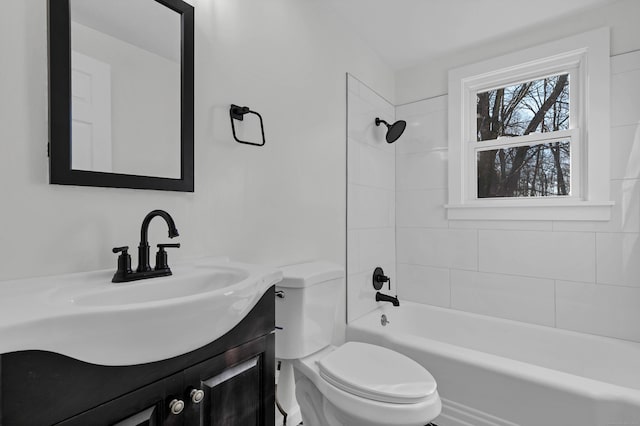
197,395
176,406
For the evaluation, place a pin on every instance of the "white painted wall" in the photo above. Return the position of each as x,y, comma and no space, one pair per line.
278,204
582,276
371,177
430,78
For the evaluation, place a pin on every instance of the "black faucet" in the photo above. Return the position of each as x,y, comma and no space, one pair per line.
124,272
379,278
386,298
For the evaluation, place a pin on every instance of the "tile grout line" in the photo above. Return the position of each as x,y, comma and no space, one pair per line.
595,260
450,289
478,250
555,303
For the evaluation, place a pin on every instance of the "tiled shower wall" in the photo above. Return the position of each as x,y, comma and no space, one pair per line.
582,276
370,196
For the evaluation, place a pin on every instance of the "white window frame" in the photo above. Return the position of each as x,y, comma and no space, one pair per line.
586,58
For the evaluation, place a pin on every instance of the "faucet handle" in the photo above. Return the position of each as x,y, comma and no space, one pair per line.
124,264
379,278
161,256
168,245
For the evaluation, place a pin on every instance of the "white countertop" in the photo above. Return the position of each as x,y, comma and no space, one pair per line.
48,313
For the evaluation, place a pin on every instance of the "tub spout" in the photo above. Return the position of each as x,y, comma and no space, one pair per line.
386,298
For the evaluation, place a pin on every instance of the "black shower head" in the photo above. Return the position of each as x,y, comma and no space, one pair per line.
394,131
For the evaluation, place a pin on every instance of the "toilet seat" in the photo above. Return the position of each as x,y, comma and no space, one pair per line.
376,373
366,411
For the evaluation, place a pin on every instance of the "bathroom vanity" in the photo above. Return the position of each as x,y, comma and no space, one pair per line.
136,371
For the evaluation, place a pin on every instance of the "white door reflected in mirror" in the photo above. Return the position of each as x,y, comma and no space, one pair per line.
91,121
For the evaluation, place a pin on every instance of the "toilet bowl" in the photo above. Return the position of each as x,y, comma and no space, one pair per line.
348,385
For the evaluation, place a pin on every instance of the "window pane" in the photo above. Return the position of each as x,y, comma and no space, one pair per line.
535,106
525,171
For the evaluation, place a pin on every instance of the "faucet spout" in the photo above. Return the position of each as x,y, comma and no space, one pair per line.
143,248
386,298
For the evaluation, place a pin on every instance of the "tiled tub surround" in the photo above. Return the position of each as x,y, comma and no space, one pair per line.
370,196
497,372
574,275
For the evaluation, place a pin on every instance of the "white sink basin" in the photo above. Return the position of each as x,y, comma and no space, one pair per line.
87,317
193,281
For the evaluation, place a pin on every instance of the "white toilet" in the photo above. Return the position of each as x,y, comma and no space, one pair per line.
353,384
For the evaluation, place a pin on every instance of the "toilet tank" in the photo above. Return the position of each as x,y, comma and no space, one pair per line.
305,309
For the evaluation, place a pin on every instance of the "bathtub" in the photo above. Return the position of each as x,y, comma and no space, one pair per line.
499,372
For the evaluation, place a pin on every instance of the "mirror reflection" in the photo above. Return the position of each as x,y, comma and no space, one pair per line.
125,87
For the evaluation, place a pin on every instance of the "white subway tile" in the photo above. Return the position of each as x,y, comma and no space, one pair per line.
442,248
380,104
370,207
618,259
625,98
359,126
625,62
628,204
424,132
521,225
505,296
422,107
353,251
424,284
425,170
462,248
361,123
598,309
625,214
377,248
625,152
360,295
555,255
421,208
353,161
377,168
412,247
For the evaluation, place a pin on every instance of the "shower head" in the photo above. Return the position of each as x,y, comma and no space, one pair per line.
394,131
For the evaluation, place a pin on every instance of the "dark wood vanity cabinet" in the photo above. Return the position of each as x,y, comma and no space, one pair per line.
235,374
232,396
147,406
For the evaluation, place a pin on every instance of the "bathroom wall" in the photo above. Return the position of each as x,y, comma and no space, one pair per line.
371,174
429,78
281,203
582,276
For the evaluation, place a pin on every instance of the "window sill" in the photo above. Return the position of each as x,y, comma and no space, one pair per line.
497,210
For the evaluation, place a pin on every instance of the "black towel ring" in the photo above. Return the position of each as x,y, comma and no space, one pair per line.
237,113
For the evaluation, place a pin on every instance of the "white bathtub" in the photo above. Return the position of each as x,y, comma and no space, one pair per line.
499,372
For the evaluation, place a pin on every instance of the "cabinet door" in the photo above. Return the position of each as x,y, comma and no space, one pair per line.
147,406
238,387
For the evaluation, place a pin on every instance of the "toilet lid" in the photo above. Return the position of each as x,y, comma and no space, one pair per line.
377,373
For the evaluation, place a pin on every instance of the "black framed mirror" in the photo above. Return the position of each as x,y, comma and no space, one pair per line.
121,93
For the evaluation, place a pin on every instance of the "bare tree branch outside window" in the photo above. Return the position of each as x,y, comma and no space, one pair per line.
524,171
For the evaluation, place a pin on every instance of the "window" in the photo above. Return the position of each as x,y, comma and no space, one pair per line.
510,164
529,133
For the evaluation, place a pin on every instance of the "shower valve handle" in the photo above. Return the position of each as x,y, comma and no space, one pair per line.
386,279
379,278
